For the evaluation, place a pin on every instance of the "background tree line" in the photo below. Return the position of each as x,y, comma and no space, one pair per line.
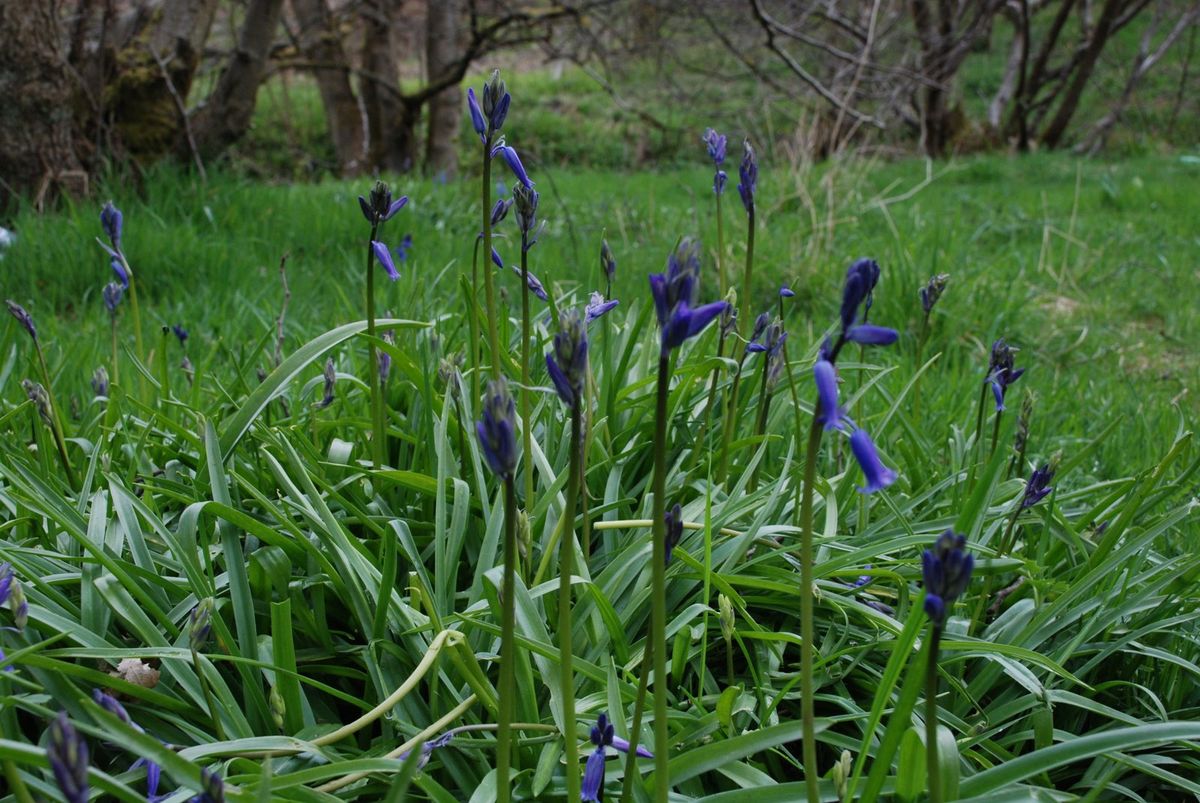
87,84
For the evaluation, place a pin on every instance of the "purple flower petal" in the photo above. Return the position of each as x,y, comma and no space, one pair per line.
870,335
620,744
385,259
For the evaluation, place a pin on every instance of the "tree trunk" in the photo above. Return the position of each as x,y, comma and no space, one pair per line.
225,116
442,35
387,148
1057,127
36,126
322,45
154,71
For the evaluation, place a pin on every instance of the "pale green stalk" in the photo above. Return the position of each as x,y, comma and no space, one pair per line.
508,687
566,563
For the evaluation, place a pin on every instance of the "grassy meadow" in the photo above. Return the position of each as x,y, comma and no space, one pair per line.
356,615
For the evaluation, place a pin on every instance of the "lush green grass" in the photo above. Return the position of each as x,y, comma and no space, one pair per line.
1085,683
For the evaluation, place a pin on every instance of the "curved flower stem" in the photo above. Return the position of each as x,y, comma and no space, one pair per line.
565,570
658,581
526,421
56,427
488,284
507,691
377,430
208,697
932,770
808,720
744,300
635,730
721,282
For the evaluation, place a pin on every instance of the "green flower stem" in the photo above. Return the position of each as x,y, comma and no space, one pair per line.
19,789
585,538
708,406
488,285
720,247
974,451
760,423
377,433
808,720
932,769
473,323
565,570
116,370
56,427
658,582
526,420
730,420
164,373
744,312
916,390
133,306
635,731
508,617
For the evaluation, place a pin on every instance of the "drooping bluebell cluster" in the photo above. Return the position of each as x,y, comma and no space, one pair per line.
200,624
112,294
603,736
597,306
675,295
861,279
673,519
748,173
1038,487
68,757
1001,371
947,571
526,201
23,317
329,375
760,326
608,264
932,291
153,770
497,430
568,361
112,222
716,151
496,100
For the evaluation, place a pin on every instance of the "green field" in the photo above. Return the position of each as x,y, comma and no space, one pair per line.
333,580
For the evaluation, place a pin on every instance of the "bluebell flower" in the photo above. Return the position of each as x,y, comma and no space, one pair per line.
497,430
1038,487
200,624
878,476
870,335
760,325
7,667
861,279
773,342
118,269
947,572
497,261
37,394
428,747
500,210
748,172
23,317
608,262
330,377
385,357
1001,372
476,115
113,222
212,788
932,291
567,362
597,306
404,247
719,180
829,413
716,146
385,259
786,292
535,286
380,207
112,295
495,101
180,333
68,756
674,294
673,519
603,736
509,154
18,605
6,581
153,770
526,200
